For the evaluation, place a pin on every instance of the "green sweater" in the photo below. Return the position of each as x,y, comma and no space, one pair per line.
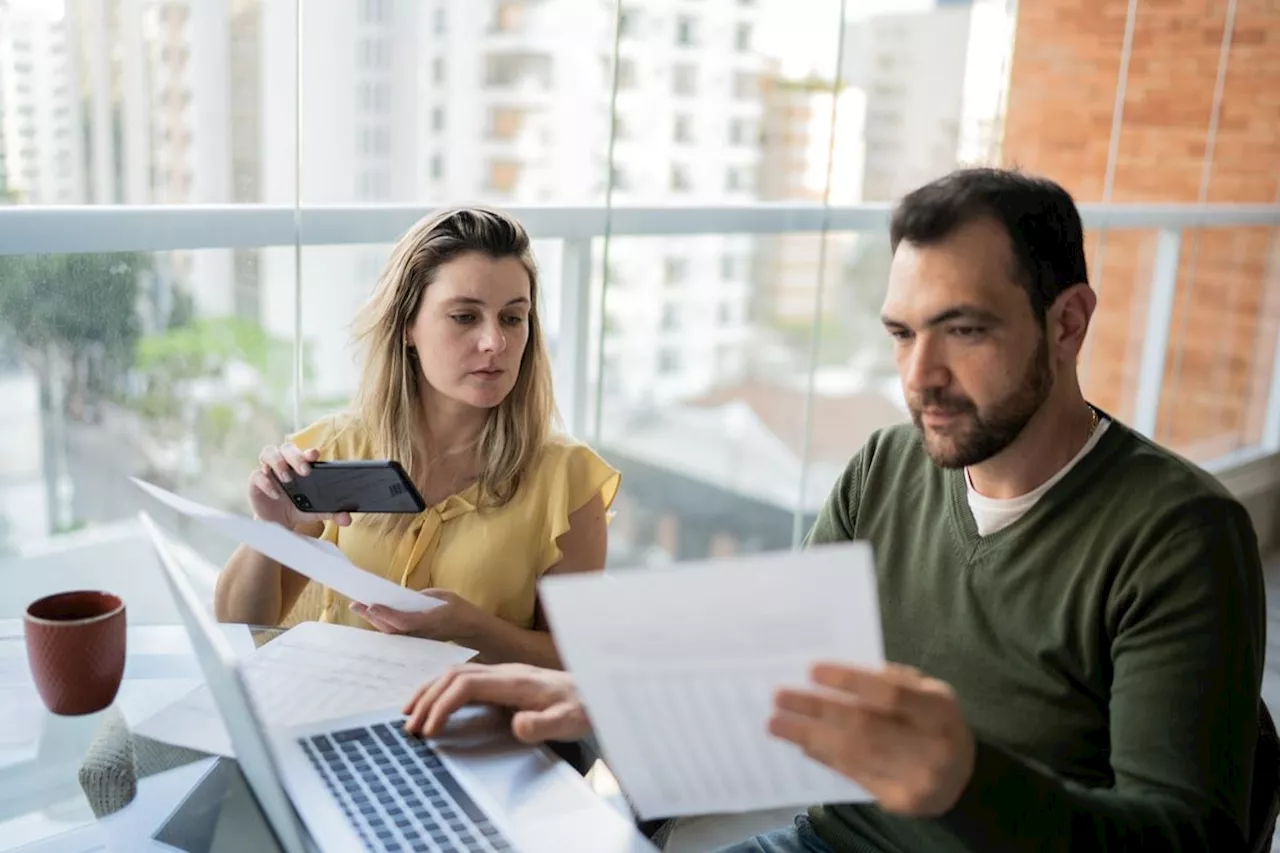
1107,649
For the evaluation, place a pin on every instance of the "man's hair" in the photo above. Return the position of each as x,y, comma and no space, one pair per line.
1039,216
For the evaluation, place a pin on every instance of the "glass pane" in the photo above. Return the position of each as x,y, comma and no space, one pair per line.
1121,264
122,103
499,102
1222,346
125,365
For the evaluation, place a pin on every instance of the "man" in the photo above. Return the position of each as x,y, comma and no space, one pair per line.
1076,615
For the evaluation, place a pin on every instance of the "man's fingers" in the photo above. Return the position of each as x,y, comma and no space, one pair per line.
561,721
896,690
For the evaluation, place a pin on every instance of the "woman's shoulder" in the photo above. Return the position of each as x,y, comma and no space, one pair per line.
567,462
336,436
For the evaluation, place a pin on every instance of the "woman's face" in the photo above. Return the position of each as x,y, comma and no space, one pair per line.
472,327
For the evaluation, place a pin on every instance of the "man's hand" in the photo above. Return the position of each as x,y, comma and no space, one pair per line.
545,701
897,733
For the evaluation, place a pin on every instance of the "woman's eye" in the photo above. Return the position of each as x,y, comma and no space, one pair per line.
464,319
513,320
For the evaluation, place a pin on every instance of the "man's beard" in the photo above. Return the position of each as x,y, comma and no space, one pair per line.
978,434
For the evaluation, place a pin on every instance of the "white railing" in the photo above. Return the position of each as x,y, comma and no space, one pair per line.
32,230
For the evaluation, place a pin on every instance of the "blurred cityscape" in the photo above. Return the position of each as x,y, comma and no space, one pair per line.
178,366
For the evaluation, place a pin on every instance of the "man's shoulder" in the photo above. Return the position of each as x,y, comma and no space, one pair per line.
1163,477
893,450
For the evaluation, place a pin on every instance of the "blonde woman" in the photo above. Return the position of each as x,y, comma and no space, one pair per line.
456,386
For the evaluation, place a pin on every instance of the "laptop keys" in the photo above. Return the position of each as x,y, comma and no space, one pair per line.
398,794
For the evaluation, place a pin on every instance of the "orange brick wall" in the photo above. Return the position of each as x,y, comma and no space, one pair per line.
1065,68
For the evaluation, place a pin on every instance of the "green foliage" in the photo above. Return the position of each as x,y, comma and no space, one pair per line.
75,303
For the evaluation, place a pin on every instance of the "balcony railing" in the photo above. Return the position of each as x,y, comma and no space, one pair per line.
33,230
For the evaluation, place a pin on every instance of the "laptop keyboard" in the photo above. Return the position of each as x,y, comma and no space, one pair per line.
397,793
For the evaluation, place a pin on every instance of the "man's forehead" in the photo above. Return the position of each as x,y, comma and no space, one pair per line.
927,279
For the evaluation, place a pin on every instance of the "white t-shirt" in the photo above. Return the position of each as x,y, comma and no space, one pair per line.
995,514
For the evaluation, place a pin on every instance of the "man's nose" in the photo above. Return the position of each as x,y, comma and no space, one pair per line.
925,366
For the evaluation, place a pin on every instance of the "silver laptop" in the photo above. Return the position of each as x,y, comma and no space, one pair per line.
360,783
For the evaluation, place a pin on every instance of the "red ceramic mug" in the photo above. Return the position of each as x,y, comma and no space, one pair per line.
76,649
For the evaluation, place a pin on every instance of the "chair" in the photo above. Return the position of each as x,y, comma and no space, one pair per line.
1264,801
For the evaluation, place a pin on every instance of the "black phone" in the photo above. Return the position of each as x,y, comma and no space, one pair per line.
355,485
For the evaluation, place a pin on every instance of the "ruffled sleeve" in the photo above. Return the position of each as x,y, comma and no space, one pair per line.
572,475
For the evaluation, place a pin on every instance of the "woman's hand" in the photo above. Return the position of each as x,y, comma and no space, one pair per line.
456,620
545,702
269,501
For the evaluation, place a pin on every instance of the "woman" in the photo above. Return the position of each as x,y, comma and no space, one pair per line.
456,386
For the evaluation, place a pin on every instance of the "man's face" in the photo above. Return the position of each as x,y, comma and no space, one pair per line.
974,360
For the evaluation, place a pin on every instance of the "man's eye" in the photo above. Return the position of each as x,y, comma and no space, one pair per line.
967,331
900,334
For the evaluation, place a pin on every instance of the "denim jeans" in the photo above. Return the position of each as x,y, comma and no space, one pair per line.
800,838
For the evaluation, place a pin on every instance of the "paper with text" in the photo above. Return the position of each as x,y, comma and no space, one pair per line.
308,674
321,561
678,668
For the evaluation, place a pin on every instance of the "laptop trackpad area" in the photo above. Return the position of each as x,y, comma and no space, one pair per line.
523,783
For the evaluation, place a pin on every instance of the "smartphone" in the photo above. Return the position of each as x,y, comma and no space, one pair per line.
357,485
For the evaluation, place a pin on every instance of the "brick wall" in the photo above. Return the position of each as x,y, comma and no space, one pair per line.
1062,93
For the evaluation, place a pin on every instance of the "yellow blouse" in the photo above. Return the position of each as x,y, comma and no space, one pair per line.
492,557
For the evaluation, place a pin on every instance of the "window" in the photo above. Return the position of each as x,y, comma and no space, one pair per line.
683,130
726,313
437,167
685,79
728,266
739,131
675,270
731,182
626,74
745,85
742,38
680,181
437,119
738,179
686,31
628,22
437,70
508,16
668,361
670,318
619,179
373,11
504,122
503,175
441,21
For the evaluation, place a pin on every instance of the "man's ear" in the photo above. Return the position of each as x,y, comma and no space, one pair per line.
1069,319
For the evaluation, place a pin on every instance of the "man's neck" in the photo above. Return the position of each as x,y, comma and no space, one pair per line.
1051,439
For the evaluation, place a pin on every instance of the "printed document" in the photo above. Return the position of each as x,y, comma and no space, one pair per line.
312,673
678,668
319,560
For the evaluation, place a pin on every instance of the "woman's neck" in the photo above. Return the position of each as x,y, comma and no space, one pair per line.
452,428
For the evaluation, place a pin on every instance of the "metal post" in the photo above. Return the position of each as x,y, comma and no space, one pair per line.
1155,344
573,349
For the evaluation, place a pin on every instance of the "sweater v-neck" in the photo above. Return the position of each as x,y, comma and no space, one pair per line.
1083,472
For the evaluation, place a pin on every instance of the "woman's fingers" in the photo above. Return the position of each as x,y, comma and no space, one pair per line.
265,484
297,459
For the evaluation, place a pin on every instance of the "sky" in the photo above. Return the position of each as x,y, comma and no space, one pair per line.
803,34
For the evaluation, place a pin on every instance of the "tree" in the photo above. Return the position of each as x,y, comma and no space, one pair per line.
74,320
73,315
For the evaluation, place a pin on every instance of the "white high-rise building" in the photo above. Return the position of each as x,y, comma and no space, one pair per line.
508,103
912,67
43,151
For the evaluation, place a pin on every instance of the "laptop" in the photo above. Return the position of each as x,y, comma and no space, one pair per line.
359,783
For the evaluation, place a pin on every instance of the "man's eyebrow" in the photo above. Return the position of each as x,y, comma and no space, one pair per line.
956,312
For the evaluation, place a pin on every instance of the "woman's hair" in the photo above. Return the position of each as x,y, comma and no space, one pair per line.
389,403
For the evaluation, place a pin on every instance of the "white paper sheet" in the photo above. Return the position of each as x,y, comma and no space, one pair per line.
311,673
678,668
320,561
